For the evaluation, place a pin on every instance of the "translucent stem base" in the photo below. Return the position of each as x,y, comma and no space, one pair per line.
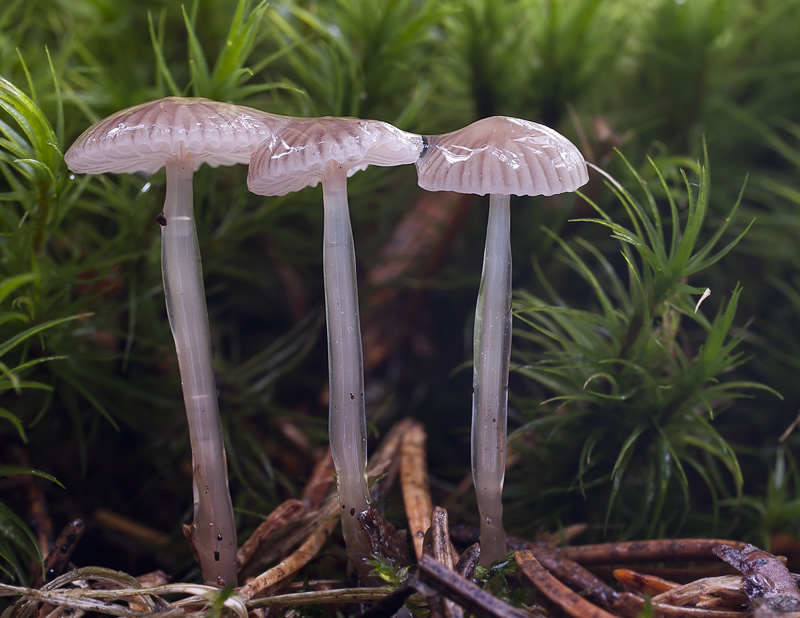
492,354
214,527
347,418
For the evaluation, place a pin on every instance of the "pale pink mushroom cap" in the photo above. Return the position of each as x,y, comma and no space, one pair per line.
299,154
143,137
502,155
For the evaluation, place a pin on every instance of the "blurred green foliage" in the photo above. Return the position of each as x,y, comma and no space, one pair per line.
629,375
620,384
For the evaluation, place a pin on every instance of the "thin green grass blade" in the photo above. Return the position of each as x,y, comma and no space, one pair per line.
157,40
9,470
198,66
16,422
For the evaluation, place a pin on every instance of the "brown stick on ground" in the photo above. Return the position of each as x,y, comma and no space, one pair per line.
415,485
441,549
464,592
763,575
268,581
710,593
641,551
569,601
469,560
680,575
575,576
283,514
320,482
633,606
390,604
57,561
643,583
438,546
322,524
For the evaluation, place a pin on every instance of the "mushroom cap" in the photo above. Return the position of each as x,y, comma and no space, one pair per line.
502,155
299,154
143,137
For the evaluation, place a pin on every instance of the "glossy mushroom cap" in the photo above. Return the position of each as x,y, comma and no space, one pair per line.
299,154
143,137
502,155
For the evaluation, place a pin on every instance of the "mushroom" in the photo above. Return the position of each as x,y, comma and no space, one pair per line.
181,134
503,157
300,154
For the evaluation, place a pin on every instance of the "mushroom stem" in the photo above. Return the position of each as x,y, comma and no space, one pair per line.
214,529
490,379
347,419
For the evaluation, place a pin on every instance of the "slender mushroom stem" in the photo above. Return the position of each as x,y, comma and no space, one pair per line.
214,527
492,350
347,419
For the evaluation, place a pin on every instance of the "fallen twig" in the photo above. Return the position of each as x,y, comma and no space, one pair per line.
320,482
437,546
287,568
197,603
469,596
560,594
57,560
469,560
764,577
641,551
284,514
324,597
390,604
415,485
710,593
634,605
643,583
322,524
575,576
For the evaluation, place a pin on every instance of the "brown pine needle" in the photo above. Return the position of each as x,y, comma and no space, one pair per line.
415,484
469,596
282,515
438,546
320,481
324,524
638,551
286,569
569,601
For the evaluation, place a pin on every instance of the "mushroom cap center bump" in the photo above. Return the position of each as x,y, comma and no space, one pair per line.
142,138
502,155
300,153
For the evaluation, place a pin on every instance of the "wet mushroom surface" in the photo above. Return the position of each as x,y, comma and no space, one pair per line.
181,134
303,153
500,156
